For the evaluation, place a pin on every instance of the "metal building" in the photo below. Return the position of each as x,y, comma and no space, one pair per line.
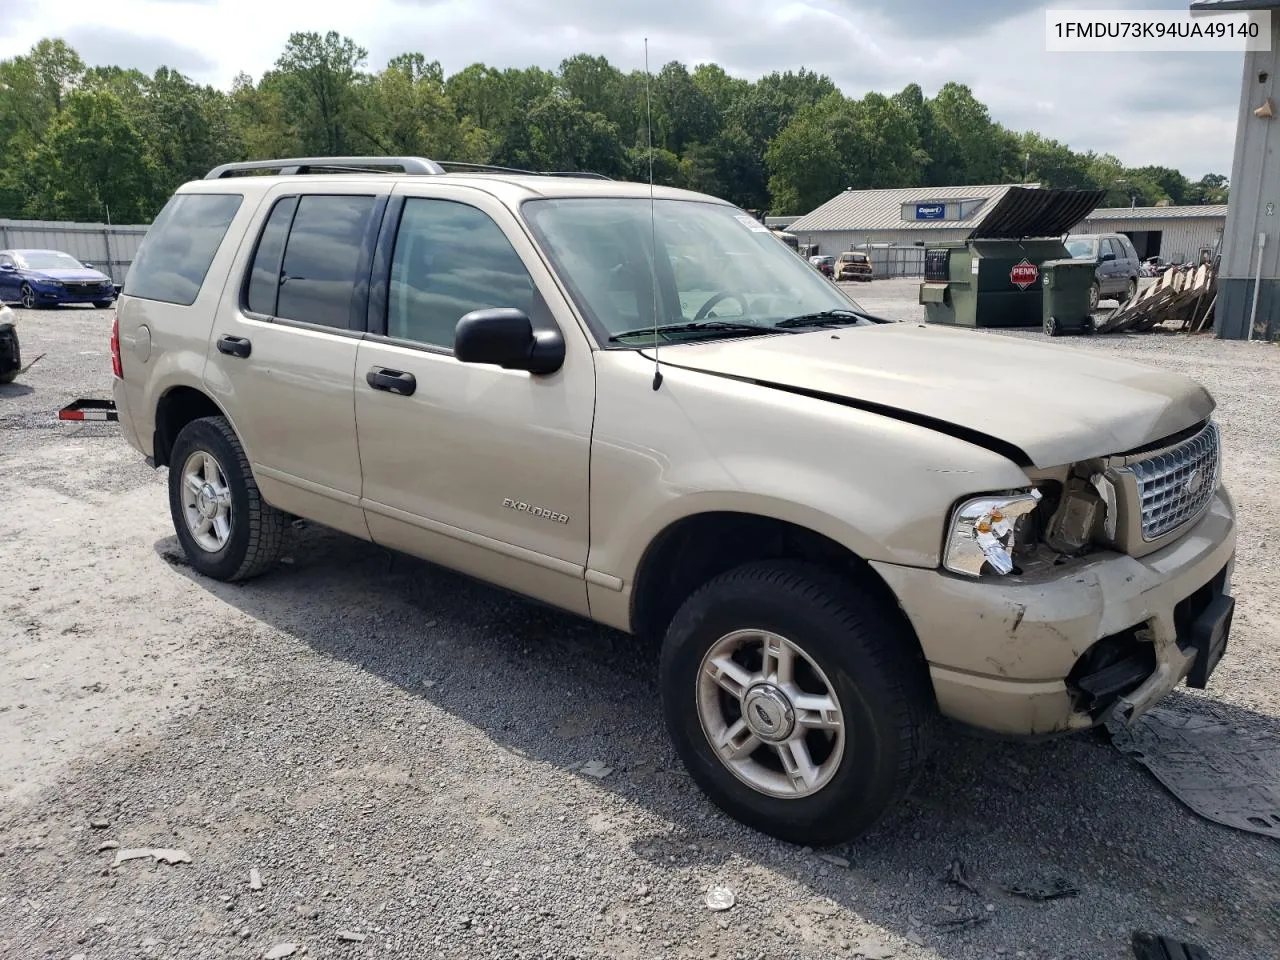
906,216
1249,283
1175,234
109,247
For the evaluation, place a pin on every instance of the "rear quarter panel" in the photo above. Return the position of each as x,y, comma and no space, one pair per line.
166,345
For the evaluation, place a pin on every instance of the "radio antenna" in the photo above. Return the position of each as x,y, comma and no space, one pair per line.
653,228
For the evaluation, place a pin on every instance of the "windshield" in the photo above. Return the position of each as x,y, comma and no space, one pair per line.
713,262
48,260
1082,248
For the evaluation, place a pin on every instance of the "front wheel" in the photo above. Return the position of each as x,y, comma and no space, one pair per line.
226,529
103,304
1095,294
1051,327
27,297
796,701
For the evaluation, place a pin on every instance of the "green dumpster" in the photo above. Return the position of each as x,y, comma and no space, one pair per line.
1066,296
992,277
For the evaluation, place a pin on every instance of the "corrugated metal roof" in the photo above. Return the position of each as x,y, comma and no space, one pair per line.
1159,213
882,209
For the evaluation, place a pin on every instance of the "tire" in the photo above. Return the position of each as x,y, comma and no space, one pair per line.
1095,295
7,332
27,297
254,530
1051,327
867,660
103,304
1130,291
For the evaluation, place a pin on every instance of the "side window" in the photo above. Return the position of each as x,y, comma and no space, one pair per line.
175,255
264,274
1109,246
6,260
318,274
450,259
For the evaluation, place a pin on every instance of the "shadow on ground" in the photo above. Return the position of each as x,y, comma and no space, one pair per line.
562,691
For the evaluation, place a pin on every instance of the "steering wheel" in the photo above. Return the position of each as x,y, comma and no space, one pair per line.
716,298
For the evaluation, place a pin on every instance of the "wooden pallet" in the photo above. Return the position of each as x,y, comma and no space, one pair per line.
1181,299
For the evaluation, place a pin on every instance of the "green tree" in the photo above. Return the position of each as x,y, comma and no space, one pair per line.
318,80
91,160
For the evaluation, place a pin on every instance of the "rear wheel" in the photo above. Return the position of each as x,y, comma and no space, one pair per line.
1131,290
226,529
797,702
1095,294
1051,327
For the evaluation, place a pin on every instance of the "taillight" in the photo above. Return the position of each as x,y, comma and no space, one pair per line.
116,368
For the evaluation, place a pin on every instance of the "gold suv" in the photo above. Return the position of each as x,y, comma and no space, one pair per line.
643,409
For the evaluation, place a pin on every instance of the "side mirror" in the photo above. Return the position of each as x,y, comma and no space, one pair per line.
1106,257
7,267
505,338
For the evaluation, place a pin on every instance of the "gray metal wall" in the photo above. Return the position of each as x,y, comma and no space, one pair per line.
109,248
1255,197
1181,238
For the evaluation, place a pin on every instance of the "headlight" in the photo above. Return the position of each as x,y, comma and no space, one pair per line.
984,532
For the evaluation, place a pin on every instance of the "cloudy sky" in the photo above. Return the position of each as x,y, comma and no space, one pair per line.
1174,109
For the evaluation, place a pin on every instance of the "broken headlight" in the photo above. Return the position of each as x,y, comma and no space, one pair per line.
985,533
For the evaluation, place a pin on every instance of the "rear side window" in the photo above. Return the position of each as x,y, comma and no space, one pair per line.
264,275
175,255
318,275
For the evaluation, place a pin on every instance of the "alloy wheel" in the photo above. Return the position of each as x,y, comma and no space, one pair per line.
770,714
206,501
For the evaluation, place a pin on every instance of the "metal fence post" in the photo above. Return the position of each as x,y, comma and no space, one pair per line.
111,264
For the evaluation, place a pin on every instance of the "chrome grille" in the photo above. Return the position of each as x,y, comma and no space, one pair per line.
1176,485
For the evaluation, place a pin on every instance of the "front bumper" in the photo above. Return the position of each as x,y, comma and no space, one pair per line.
1001,653
60,295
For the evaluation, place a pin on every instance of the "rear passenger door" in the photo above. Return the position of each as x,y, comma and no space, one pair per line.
482,469
283,351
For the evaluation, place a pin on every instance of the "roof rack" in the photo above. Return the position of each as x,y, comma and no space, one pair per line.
416,166
298,165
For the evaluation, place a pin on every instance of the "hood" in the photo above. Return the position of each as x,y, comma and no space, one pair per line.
1055,405
72,274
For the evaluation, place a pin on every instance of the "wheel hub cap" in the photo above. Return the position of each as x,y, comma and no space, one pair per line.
207,501
768,713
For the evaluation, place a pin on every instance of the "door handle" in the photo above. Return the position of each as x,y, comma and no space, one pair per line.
234,346
393,381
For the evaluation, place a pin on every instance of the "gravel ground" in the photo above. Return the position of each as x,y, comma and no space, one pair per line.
396,750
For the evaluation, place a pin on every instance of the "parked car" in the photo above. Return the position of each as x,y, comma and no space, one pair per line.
455,367
852,265
825,265
1118,267
10,352
49,278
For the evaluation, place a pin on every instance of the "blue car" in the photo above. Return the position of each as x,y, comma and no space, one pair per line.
49,278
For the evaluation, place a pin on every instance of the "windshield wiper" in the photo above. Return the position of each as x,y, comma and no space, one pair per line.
695,326
822,318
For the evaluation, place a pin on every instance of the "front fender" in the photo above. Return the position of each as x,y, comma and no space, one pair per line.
878,486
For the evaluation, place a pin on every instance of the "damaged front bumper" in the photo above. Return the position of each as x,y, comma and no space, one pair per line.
1106,636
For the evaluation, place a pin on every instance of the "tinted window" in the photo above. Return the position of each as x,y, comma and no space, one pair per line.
450,259
320,258
264,275
175,255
